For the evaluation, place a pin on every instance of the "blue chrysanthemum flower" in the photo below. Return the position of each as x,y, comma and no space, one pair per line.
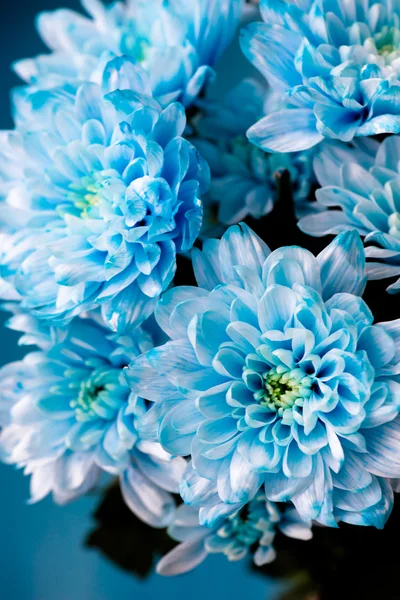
336,64
68,414
101,193
244,179
177,42
276,376
361,190
251,530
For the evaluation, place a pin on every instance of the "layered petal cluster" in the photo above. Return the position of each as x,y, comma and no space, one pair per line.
101,192
68,414
361,190
250,530
336,65
176,42
276,377
244,179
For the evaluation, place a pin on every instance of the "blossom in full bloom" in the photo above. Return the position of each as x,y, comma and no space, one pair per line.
68,414
244,179
252,526
177,42
276,376
361,190
336,65
101,192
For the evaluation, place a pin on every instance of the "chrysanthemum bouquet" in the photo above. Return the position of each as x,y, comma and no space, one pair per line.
261,394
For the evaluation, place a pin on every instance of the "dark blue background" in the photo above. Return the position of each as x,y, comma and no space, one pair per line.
41,552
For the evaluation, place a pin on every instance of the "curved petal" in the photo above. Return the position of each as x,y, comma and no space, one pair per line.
343,265
183,558
150,503
288,130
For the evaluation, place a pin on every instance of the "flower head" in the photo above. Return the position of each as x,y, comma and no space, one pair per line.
336,65
276,376
70,414
361,190
101,193
176,42
244,179
249,530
